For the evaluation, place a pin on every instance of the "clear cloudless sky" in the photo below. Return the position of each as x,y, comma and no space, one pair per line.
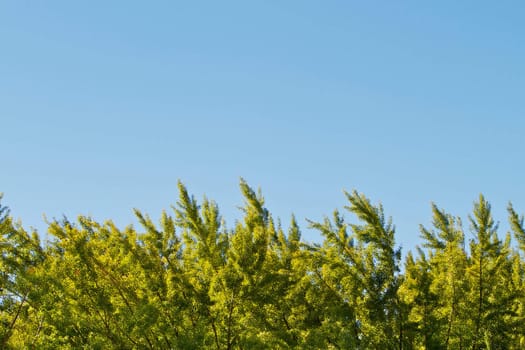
104,105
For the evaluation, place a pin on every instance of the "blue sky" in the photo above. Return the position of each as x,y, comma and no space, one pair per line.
104,105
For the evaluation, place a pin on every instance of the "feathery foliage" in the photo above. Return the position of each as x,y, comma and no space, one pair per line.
190,282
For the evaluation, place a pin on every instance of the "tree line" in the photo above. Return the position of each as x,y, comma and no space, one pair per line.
189,282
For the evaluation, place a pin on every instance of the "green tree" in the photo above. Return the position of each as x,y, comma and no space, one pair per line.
488,271
20,254
361,268
434,286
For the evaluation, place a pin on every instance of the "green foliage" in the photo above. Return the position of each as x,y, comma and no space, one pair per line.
190,282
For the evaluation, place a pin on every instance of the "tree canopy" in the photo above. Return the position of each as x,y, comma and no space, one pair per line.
190,282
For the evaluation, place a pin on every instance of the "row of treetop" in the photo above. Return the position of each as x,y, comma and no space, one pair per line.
190,282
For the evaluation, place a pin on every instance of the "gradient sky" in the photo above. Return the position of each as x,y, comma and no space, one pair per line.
104,105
